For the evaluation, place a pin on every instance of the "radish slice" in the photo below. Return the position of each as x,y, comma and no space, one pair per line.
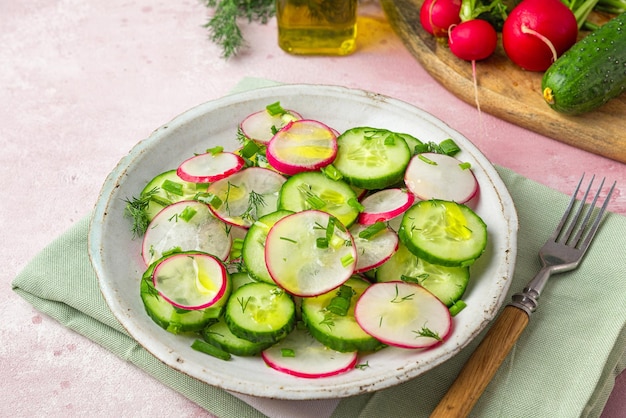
260,126
309,253
186,226
403,315
384,205
245,196
191,281
209,167
439,176
302,145
375,250
299,354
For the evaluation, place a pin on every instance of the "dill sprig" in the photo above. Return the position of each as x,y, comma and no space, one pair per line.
223,26
136,208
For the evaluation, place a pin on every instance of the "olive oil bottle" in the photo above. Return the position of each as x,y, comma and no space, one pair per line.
317,27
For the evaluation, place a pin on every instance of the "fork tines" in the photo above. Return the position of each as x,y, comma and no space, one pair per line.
585,232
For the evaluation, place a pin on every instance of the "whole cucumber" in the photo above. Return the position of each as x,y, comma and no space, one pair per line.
591,72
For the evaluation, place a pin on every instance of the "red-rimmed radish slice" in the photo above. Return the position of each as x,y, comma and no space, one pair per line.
245,196
302,145
309,253
185,226
191,281
373,245
439,176
301,355
403,315
260,126
209,167
385,205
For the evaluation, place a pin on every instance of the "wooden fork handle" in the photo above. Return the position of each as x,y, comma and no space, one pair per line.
482,364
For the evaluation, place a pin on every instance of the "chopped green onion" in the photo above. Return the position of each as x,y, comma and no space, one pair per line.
312,199
449,147
161,200
215,150
287,352
209,349
458,306
340,303
332,173
173,187
209,199
426,160
188,213
322,242
275,109
249,148
465,166
235,249
355,204
372,230
346,260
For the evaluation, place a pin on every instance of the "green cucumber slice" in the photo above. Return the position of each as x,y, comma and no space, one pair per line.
169,188
260,312
443,232
219,335
447,283
371,158
339,332
313,190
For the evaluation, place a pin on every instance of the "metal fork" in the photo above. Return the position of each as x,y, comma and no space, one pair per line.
563,252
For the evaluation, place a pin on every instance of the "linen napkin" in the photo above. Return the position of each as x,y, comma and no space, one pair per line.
564,365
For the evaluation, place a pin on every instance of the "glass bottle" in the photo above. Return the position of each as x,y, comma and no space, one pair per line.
317,27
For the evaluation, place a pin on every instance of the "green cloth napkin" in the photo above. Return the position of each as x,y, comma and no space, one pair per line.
564,365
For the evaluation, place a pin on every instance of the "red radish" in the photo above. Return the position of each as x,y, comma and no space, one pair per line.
309,253
191,281
375,250
436,16
209,167
260,126
439,176
537,32
403,314
245,196
473,40
299,354
384,205
302,145
187,225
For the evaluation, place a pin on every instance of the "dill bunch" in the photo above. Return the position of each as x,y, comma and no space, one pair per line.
223,26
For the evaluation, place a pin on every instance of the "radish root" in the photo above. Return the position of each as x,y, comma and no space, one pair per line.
525,29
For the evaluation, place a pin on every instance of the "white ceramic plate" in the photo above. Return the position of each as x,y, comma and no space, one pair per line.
118,265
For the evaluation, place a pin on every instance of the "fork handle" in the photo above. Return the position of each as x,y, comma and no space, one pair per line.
482,364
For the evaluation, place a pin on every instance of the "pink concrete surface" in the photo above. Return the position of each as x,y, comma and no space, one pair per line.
82,81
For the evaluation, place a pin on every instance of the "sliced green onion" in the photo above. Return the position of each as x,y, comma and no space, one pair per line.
340,303
275,109
355,204
321,243
372,230
332,173
449,147
172,187
209,199
215,150
249,148
426,160
346,260
187,214
287,352
465,166
211,350
458,306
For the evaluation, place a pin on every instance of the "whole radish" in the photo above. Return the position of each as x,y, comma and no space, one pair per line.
473,40
436,16
537,32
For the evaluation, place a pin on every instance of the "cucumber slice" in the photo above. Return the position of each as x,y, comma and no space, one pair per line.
170,318
313,190
339,332
371,158
169,188
447,283
260,312
443,232
253,251
219,335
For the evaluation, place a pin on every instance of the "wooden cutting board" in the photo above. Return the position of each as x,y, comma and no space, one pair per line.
508,92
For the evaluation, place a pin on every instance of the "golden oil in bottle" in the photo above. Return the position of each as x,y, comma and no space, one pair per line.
317,27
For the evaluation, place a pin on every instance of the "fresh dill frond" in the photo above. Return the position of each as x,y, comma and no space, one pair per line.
136,208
